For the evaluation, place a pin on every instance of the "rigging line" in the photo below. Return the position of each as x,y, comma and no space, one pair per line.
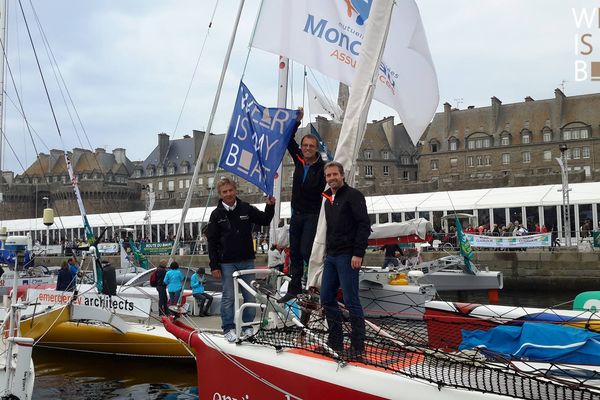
291,83
56,68
304,88
12,101
187,93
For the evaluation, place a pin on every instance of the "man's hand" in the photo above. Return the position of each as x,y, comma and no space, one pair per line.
216,273
300,113
356,262
270,200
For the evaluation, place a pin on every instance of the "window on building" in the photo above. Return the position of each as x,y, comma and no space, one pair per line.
505,141
453,162
187,183
367,154
210,166
386,170
368,170
435,146
405,160
150,172
185,169
406,175
170,186
576,153
479,161
181,184
137,173
547,136
479,143
585,152
453,144
526,138
585,134
171,170
471,144
547,155
200,181
434,164
160,185
211,182
487,160
470,161
160,171
526,156
506,158
385,155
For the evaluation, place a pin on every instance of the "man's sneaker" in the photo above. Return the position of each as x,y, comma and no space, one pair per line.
247,332
231,336
287,297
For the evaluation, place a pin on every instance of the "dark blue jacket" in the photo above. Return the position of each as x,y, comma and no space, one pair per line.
306,193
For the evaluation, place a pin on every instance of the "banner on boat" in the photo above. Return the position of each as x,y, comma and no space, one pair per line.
122,305
508,242
257,140
327,36
108,248
156,247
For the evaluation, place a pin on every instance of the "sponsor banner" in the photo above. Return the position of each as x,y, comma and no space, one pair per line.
507,242
121,305
156,248
108,248
328,35
42,249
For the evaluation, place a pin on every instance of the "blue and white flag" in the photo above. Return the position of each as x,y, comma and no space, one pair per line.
257,140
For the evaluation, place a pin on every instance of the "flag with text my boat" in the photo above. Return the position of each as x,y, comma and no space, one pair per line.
328,34
257,140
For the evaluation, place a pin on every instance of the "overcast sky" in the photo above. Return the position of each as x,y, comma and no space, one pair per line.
128,65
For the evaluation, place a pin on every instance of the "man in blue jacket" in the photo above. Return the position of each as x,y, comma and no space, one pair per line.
230,248
348,229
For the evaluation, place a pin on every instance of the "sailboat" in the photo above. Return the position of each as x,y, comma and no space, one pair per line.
290,358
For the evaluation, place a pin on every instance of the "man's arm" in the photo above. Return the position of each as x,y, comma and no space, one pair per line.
263,217
213,239
363,230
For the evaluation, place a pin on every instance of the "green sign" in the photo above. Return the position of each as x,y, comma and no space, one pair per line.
596,236
157,248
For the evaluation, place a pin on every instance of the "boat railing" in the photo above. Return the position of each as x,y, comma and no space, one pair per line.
265,303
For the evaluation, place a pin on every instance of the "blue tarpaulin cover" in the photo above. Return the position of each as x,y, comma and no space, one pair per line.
537,342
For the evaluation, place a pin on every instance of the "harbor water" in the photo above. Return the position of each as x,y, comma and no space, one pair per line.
77,376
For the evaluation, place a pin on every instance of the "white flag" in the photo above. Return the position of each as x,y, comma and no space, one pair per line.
327,35
319,104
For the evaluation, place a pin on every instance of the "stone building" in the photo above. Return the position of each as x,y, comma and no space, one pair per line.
103,181
512,144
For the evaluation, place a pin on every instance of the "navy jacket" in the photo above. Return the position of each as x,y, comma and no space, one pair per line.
306,193
348,224
229,233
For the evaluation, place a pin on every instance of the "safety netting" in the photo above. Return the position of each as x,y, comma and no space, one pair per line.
425,349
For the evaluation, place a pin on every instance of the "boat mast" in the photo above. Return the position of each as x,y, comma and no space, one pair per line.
3,8
200,159
281,103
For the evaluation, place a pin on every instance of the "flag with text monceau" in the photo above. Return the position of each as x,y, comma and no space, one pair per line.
465,247
257,140
327,35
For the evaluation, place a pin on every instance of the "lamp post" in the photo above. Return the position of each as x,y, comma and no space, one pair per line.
48,220
562,161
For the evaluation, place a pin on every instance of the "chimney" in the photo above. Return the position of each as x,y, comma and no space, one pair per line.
343,95
163,147
8,176
100,150
470,107
120,155
447,117
528,99
55,156
558,108
198,138
496,103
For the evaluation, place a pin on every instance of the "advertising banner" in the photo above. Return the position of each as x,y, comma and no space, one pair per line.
510,242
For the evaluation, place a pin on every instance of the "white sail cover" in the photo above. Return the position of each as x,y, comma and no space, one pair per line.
319,104
355,122
417,226
328,35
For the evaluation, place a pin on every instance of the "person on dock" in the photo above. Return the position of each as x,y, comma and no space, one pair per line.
348,229
174,281
203,299
161,287
230,249
63,283
308,184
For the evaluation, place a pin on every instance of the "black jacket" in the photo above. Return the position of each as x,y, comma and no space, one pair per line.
229,233
348,224
306,193
160,277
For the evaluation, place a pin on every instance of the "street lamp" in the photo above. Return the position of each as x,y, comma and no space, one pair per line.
562,161
48,220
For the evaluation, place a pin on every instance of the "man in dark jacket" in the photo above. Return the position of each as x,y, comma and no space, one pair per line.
308,184
348,229
161,288
230,248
